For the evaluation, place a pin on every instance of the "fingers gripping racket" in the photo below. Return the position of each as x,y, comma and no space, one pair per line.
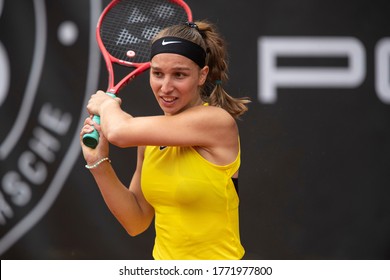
124,31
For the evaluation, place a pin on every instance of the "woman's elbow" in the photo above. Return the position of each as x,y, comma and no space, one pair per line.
133,232
116,137
120,136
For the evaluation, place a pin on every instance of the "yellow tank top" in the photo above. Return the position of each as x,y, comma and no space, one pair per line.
195,202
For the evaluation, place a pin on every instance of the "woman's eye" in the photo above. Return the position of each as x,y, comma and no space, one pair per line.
180,75
157,74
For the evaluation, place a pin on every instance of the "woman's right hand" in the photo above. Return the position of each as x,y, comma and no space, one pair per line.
91,156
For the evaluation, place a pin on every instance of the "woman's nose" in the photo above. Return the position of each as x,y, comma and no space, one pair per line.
166,85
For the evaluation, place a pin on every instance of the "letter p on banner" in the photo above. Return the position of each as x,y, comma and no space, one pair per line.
271,76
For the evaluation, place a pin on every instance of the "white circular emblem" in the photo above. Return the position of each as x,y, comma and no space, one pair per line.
41,107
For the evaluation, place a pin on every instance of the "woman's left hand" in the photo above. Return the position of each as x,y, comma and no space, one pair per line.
98,99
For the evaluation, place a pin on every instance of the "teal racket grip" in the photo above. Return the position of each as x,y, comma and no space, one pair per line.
92,139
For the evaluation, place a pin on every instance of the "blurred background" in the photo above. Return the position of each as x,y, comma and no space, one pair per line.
315,173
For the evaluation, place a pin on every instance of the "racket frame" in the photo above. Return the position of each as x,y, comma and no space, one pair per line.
92,139
111,60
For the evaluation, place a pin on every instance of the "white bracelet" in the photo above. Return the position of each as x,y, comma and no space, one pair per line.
97,163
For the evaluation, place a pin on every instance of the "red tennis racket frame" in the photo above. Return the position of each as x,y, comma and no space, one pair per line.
110,60
91,139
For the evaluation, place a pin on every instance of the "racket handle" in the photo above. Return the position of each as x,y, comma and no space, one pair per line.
92,139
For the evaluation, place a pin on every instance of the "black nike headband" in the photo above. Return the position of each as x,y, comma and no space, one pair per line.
179,46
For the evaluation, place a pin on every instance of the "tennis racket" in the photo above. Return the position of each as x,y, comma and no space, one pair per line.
124,31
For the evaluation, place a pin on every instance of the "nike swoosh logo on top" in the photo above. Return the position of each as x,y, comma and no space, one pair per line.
170,42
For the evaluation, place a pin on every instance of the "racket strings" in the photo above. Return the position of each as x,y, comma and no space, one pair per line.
130,25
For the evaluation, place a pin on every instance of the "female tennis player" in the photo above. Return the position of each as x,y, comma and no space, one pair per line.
188,157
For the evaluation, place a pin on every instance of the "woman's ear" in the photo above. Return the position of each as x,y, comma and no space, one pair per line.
203,75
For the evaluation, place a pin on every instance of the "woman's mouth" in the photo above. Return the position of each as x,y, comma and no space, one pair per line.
168,99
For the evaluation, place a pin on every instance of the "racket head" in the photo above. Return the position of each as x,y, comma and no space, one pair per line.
129,26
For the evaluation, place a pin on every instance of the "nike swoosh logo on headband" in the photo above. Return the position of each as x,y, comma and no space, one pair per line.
170,42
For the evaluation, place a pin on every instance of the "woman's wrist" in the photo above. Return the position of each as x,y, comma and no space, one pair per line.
97,163
109,104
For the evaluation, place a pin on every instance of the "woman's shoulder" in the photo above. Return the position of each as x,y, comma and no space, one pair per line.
212,114
215,121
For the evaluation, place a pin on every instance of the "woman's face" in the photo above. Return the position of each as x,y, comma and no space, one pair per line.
175,81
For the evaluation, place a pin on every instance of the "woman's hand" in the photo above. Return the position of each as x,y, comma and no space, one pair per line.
91,156
98,100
